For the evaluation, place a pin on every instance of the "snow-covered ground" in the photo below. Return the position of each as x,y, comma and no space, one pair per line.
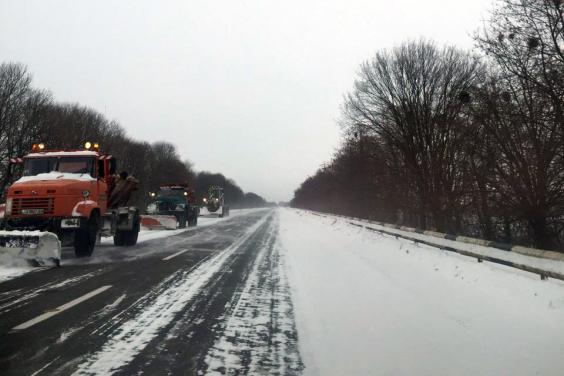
545,264
369,304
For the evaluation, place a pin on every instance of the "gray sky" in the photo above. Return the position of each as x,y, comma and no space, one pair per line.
248,88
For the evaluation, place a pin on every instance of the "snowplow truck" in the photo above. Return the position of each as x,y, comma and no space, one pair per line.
173,206
215,201
67,198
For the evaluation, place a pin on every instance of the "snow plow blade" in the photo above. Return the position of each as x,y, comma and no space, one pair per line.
36,248
159,222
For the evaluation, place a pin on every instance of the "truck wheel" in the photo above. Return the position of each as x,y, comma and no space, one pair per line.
118,239
85,239
193,217
182,221
130,237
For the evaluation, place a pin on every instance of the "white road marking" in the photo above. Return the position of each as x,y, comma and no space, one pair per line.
44,367
174,255
60,309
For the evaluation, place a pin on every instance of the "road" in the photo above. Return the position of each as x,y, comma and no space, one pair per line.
280,292
175,305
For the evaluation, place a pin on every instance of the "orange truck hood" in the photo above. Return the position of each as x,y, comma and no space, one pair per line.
50,187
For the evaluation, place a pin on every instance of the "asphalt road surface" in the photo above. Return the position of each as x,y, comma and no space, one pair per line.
206,301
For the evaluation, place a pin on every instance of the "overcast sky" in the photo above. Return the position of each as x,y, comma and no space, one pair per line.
248,88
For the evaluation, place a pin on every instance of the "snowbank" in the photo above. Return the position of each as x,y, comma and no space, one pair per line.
369,304
549,264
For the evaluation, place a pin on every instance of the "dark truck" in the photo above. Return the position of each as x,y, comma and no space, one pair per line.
171,202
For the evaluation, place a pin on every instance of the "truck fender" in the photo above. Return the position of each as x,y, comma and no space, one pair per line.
84,208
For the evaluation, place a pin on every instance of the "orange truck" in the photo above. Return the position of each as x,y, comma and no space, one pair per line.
74,196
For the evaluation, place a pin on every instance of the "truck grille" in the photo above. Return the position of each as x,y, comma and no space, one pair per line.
33,206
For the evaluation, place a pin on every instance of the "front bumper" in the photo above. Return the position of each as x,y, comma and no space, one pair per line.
51,224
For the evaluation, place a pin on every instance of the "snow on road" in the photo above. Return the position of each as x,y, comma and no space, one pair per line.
172,295
258,336
368,304
10,272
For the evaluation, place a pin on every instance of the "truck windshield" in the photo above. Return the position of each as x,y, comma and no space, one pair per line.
170,193
171,196
76,165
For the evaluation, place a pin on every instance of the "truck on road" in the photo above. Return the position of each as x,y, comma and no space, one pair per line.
215,201
74,196
173,206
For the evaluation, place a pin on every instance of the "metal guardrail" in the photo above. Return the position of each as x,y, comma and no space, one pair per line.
531,252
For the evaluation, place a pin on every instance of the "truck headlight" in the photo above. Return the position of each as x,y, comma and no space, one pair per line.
9,203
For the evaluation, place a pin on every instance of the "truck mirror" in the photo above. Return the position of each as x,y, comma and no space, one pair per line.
113,166
101,171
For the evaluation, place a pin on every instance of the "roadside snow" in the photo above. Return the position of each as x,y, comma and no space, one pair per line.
368,304
547,264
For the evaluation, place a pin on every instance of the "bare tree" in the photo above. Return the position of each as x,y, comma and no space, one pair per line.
22,111
409,97
523,108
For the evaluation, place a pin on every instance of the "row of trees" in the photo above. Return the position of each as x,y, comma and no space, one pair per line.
29,115
460,141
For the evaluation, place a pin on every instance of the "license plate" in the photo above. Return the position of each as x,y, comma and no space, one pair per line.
70,223
32,211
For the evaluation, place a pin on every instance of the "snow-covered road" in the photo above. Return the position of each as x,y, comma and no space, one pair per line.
368,304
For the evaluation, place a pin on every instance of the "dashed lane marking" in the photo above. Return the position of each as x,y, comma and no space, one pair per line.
175,254
60,309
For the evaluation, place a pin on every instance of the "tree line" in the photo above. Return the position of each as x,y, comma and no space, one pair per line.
467,142
29,115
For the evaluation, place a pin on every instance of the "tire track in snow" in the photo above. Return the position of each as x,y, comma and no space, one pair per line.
259,335
181,347
172,295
